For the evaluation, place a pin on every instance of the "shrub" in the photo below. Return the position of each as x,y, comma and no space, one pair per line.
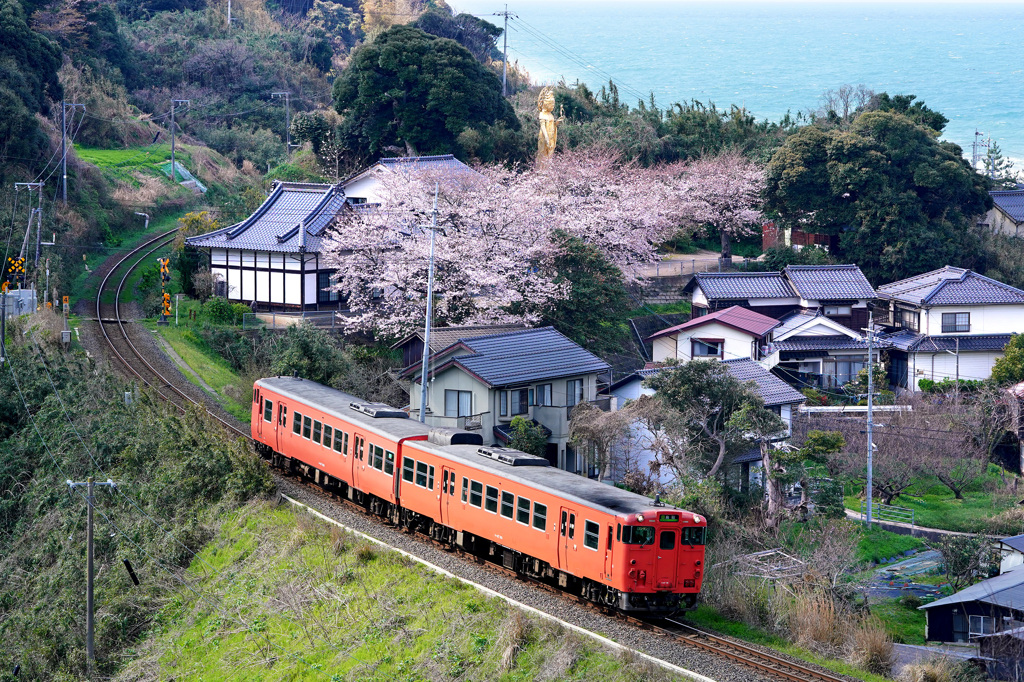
218,311
817,622
871,647
910,601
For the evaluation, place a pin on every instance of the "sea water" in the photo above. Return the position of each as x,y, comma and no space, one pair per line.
965,60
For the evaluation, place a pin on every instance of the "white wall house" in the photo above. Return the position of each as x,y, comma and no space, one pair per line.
1011,553
947,324
727,334
483,382
1007,214
365,186
810,349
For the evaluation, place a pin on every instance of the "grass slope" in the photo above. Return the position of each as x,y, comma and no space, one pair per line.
287,597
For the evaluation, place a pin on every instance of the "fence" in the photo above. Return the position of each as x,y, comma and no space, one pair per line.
691,266
887,512
326,319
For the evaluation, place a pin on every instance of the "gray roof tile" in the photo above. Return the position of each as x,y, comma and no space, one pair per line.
275,225
1005,590
740,285
810,343
951,286
829,282
1011,202
522,356
772,389
913,342
1015,541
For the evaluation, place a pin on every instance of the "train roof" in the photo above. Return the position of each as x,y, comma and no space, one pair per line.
572,487
339,404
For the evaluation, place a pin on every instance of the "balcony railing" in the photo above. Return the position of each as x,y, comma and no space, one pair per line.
602,402
473,422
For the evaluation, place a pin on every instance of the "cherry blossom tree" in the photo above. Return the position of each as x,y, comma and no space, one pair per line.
724,191
494,239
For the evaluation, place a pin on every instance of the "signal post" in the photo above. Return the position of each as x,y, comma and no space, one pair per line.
165,302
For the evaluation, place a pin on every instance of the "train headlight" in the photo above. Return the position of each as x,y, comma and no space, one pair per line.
696,519
640,518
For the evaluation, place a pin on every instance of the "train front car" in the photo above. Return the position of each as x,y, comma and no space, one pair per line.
660,563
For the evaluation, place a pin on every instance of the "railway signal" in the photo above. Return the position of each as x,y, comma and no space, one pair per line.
15,269
165,278
165,313
165,269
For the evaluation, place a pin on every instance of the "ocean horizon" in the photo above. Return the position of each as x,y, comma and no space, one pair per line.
771,58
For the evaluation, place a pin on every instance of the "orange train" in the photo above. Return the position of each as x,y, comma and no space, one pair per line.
608,545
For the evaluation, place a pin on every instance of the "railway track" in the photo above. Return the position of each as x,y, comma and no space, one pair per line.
116,334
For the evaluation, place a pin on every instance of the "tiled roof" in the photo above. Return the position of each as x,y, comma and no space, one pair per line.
523,356
1016,541
829,282
736,317
751,455
439,162
743,285
1005,590
794,321
772,389
1011,202
951,286
275,225
808,343
907,340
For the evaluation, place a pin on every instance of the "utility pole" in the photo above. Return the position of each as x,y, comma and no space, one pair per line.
90,651
229,16
871,423
174,168
287,120
430,312
504,63
3,322
33,212
64,145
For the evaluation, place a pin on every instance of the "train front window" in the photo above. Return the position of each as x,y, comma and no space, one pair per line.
692,536
638,535
268,411
668,539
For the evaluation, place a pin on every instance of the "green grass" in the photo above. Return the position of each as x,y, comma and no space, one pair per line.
205,362
877,544
660,309
905,624
289,598
707,617
122,163
936,507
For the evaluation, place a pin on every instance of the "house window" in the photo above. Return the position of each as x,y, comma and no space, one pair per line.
841,370
324,284
708,348
503,404
520,401
835,310
544,395
981,625
908,319
953,323
458,403
573,392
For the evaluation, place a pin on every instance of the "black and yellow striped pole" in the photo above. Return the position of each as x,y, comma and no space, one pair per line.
165,278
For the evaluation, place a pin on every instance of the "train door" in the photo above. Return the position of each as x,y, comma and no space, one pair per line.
668,558
358,460
447,494
566,539
280,426
259,413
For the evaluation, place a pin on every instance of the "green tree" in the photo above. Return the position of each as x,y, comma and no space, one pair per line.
1009,369
311,352
475,34
528,437
414,92
906,106
999,169
592,313
901,201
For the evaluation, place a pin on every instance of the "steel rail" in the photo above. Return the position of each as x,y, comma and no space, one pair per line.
159,241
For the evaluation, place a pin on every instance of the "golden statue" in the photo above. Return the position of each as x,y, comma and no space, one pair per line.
548,125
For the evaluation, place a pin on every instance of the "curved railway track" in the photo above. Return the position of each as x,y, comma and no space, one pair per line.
115,333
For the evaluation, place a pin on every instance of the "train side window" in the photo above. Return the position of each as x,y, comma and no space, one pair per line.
254,394
508,503
562,531
491,500
377,457
317,430
430,477
328,435
523,511
421,474
307,423
609,545
389,463
444,483
360,445
465,488
572,526
296,422
591,534
268,410
451,485
338,435
540,515
476,493
618,532
408,469
282,418
668,539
